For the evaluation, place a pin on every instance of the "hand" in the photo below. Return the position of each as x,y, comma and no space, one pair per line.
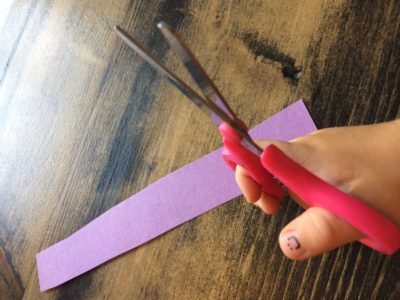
362,161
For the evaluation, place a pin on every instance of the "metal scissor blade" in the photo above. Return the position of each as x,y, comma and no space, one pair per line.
203,104
158,65
206,85
197,72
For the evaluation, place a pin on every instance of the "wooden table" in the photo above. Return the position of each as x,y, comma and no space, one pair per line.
85,123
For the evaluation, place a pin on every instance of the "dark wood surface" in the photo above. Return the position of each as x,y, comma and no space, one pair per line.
85,123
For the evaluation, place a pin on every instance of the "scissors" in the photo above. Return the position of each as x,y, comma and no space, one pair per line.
270,167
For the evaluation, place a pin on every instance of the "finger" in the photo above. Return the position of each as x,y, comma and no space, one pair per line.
268,204
314,232
250,189
253,194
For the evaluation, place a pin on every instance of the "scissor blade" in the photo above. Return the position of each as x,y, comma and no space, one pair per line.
197,72
158,65
206,85
203,104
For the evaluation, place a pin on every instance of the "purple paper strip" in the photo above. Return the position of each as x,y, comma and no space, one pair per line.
180,196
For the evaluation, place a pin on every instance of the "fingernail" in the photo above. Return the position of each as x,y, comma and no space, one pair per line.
291,245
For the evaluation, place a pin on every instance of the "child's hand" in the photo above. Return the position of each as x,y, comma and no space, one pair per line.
363,161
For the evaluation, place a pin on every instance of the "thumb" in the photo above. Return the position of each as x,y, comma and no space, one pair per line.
314,232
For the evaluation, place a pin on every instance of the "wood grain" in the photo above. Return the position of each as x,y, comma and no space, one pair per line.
85,123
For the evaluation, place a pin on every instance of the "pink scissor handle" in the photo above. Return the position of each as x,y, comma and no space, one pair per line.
381,233
235,154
